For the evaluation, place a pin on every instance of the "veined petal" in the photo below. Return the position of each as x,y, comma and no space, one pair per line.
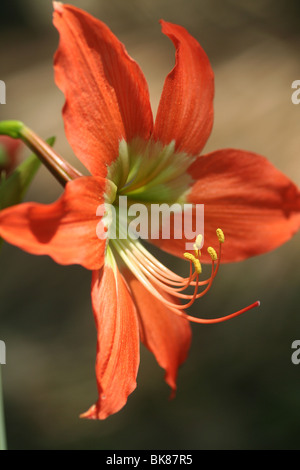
166,335
117,342
64,230
256,205
107,97
185,112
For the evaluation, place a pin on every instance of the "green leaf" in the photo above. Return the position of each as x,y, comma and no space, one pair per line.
13,189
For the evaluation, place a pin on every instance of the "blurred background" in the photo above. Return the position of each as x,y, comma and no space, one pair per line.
239,388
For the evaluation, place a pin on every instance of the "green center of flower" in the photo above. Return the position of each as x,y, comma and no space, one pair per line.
150,172
147,178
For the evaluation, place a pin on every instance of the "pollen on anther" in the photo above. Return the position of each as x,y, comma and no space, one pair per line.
198,242
189,256
212,253
220,235
197,265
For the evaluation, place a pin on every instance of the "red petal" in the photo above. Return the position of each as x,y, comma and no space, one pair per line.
255,204
64,230
106,93
118,342
165,334
185,112
11,147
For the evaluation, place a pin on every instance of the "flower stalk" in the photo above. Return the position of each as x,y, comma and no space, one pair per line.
60,168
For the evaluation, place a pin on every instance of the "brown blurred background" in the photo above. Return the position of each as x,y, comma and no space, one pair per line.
239,388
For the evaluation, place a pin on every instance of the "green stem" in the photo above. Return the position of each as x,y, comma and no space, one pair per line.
59,167
2,419
11,128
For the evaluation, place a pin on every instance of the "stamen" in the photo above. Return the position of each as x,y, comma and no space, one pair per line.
212,253
220,235
189,256
198,244
197,265
158,279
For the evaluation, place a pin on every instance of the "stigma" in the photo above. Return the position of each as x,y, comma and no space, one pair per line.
162,282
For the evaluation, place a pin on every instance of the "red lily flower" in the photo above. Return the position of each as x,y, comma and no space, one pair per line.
109,124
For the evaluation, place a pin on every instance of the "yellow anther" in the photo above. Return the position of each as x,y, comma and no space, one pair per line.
212,253
198,242
198,267
220,235
189,256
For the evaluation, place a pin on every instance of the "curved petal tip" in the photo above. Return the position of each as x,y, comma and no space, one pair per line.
58,7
